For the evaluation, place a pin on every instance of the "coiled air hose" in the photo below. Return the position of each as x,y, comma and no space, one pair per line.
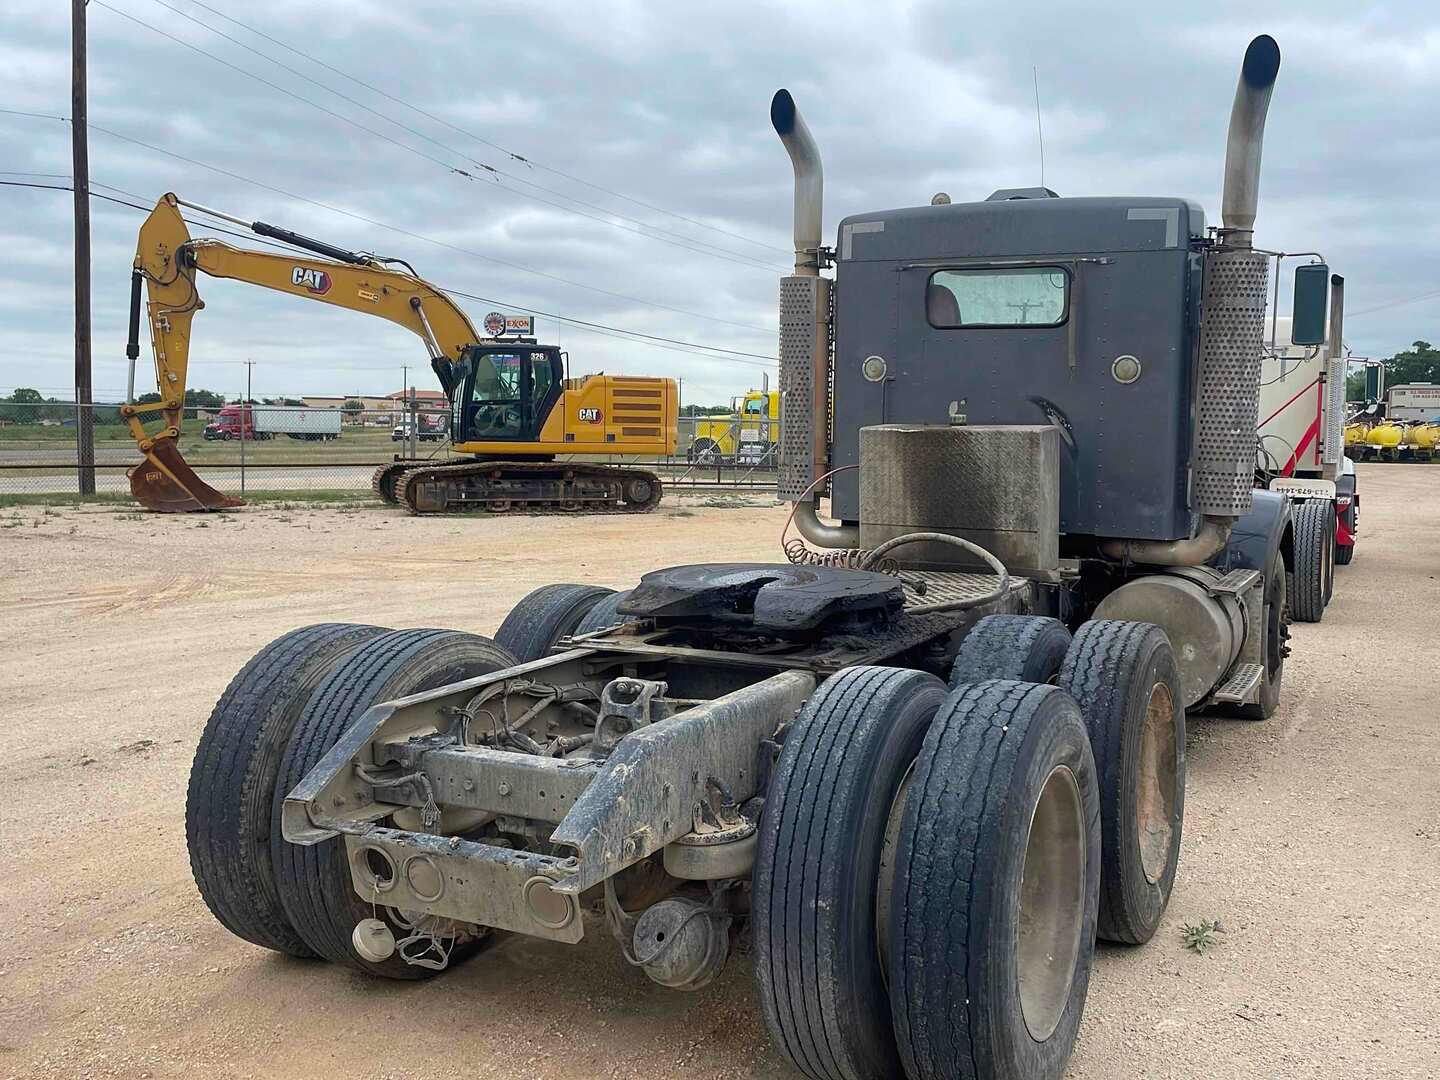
800,554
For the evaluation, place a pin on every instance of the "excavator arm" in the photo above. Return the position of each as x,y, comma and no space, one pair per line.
167,261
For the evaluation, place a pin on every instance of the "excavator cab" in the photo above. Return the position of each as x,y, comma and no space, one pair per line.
504,391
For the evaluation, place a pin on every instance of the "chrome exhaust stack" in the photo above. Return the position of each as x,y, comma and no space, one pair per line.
1232,335
1245,141
809,180
805,339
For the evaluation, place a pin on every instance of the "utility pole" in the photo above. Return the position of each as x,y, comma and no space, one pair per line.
247,418
407,413
80,167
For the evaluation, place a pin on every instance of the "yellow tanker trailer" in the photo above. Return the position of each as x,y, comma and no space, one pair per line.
1422,440
1384,439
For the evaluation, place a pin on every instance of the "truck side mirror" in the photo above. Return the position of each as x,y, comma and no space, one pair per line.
1311,295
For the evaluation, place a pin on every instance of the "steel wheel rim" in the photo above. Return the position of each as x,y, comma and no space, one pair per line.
1155,798
1052,903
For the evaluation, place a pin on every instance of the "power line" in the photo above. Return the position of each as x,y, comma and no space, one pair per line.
35,115
425,239
28,184
522,159
1393,303
683,242
397,229
691,347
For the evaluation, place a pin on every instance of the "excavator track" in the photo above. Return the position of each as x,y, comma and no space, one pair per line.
382,483
523,487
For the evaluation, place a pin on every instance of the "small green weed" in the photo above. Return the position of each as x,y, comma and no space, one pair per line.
1201,936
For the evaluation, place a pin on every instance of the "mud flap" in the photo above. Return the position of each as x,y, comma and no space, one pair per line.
165,482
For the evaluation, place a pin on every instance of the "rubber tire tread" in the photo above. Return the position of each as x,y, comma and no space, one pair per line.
544,616
1027,648
953,991
603,614
1110,671
1314,537
232,790
1276,588
314,880
817,966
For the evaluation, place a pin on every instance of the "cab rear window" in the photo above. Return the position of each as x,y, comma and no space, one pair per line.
1000,297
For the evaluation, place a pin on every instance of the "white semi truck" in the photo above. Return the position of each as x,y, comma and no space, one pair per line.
1300,443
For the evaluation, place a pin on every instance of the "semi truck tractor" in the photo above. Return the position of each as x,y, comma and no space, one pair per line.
749,436
262,422
915,768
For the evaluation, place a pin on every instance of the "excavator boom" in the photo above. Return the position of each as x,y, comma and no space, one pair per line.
166,262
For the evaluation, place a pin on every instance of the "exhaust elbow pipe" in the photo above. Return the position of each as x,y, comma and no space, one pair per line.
821,534
809,180
1205,545
1246,139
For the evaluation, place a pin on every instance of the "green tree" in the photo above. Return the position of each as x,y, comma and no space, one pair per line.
352,408
705,410
194,399
1419,363
24,402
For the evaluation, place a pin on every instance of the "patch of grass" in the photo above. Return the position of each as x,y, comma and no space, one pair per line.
1201,936
124,500
73,502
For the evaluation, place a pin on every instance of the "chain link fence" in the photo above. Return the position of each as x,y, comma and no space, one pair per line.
294,449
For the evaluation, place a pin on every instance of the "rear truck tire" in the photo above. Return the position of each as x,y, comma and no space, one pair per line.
314,881
1124,677
704,451
1028,648
605,613
232,794
1310,582
544,616
997,878
818,961
1275,624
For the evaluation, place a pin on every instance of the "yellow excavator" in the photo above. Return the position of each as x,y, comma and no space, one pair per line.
513,411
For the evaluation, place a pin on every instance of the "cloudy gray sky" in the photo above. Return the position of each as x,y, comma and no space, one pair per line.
667,104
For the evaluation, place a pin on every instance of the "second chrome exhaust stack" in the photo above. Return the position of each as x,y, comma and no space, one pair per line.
1246,139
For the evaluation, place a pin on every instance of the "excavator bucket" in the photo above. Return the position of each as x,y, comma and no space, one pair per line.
165,482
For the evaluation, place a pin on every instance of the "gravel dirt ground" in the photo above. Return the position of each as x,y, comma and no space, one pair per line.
1314,838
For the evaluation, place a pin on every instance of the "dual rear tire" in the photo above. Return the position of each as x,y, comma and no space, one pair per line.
274,722
900,928
933,868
